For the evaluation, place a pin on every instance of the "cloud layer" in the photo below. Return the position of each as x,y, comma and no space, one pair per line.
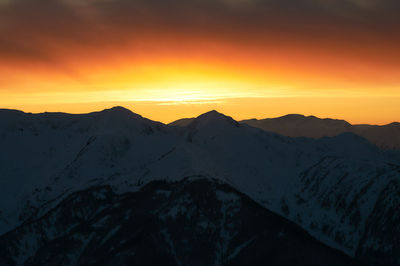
47,30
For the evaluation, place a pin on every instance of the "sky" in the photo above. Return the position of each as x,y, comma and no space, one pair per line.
168,59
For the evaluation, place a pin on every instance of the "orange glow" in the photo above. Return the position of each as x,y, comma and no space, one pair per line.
166,70
168,90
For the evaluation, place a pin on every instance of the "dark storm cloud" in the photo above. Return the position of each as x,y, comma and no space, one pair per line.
46,30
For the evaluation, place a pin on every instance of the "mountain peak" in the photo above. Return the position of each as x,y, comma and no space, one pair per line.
117,109
212,113
119,112
214,117
294,116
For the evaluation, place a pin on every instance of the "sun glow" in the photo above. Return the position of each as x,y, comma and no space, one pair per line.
166,89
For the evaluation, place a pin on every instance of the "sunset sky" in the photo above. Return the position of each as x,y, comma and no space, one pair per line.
168,59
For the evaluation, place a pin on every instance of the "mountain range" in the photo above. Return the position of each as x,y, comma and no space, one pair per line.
295,125
112,187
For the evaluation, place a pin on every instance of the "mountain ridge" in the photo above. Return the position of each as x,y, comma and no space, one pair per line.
384,136
297,125
121,109
328,186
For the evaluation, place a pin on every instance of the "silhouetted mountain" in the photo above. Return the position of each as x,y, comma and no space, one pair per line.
182,122
342,190
387,136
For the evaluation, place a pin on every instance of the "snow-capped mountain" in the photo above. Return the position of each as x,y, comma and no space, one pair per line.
343,190
294,125
195,221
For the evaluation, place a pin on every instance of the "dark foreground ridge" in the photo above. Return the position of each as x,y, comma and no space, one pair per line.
195,221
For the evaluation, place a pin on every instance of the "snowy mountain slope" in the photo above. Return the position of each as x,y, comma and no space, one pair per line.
350,196
49,153
279,180
195,221
386,136
125,151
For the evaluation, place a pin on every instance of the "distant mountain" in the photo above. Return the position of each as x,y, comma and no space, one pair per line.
182,122
387,136
342,190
